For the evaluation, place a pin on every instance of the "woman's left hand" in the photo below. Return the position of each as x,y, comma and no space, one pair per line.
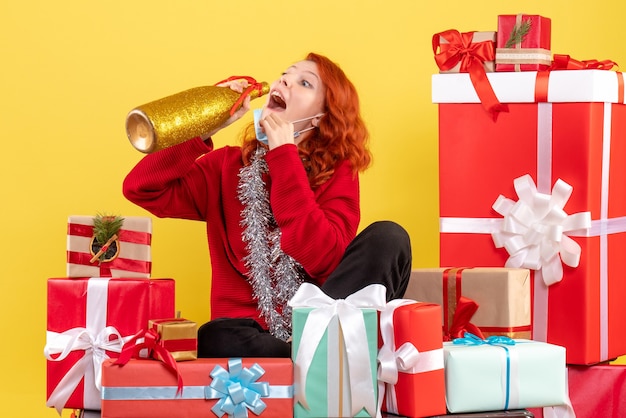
278,130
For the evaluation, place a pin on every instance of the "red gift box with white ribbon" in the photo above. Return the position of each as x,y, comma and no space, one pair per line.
88,321
542,188
411,380
132,257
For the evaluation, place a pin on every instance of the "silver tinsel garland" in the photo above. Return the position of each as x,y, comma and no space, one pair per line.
274,275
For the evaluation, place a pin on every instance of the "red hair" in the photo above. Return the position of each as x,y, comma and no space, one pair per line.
341,135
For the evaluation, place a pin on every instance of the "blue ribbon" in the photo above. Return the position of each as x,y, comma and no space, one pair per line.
496,341
237,390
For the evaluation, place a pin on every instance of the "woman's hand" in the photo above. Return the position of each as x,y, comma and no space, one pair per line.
239,86
278,131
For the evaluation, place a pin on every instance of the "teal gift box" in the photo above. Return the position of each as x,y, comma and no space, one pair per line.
334,350
500,373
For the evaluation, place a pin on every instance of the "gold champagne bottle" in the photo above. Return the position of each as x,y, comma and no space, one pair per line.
185,115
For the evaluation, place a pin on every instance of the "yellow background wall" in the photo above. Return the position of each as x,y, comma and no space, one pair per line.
71,70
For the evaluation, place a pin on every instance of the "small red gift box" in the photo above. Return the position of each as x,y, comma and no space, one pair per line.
411,374
212,388
89,320
178,336
523,43
131,251
557,159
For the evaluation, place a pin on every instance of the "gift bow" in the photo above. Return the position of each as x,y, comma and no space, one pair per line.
471,55
497,341
237,390
150,340
534,229
350,317
565,62
465,310
406,358
94,347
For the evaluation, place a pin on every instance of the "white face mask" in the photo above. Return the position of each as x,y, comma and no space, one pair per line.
260,135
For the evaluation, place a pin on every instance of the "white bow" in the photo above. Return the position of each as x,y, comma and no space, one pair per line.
349,314
535,229
94,348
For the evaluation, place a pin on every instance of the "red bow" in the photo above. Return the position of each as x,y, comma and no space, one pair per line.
465,309
565,62
472,57
152,342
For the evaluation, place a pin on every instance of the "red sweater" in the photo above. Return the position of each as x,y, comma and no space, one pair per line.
193,181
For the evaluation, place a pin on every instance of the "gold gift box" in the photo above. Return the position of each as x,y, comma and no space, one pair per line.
178,336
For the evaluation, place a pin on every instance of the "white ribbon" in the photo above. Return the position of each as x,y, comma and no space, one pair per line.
406,358
94,340
352,324
535,229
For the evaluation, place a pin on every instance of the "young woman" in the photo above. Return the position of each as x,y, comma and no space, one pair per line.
278,214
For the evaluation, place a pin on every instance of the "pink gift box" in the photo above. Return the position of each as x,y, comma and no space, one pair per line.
90,319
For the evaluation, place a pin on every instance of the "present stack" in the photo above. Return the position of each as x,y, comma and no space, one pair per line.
532,159
105,300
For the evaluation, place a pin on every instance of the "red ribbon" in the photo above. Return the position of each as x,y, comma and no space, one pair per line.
463,311
253,85
152,342
565,62
124,235
472,56
124,264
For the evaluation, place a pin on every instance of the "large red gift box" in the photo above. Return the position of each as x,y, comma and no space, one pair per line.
411,375
563,128
212,388
88,321
529,52
596,391
132,257
483,301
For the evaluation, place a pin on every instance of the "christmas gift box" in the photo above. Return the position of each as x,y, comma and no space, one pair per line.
472,53
89,320
334,349
596,391
541,189
178,336
145,388
494,300
500,373
523,43
411,379
452,45
123,252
